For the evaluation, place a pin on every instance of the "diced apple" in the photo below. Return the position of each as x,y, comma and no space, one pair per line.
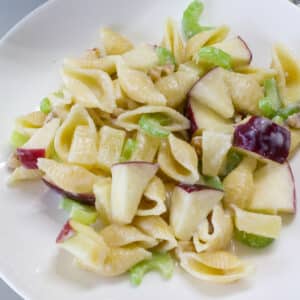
203,118
212,91
215,146
264,138
239,184
258,224
72,181
274,189
190,204
237,48
29,157
87,199
66,233
129,181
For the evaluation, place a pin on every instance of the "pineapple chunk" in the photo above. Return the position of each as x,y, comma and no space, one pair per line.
238,184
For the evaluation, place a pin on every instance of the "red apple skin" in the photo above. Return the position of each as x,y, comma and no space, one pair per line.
66,233
263,137
29,157
190,188
190,115
294,188
86,199
246,46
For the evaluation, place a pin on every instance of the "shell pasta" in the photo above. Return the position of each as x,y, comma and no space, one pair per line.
173,151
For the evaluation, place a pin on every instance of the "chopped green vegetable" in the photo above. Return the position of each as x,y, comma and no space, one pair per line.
232,161
252,240
271,103
165,56
45,106
18,139
128,148
279,120
152,124
190,19
161,262
215,57
79,212
287,111
214,182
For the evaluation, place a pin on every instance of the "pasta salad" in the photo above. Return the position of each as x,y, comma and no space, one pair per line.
167,153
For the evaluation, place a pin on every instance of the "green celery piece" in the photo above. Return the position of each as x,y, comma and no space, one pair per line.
128,148
232,161
79,212
287,111
190,19
18,139
252,240
214,56
152,124
161,262
45,106
214,182
83,216
271,103
278,120
165,56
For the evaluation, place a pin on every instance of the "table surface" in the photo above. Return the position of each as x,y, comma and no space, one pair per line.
11,12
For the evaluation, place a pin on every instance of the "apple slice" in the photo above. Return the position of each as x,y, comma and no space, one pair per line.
37,145
215,146
190,204
212,91
264,138
72,181
274,190
258,224
203,118
237,48
129,181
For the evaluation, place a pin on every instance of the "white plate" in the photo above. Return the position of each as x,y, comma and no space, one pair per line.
30,56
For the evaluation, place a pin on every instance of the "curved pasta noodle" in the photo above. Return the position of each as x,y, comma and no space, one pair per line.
93,254
142,57
111,142
153,202
172,41
43,137
116,235
288,74
139,87
157,228
105,63
20,173
129,120
83,150
70,178
78,116
205,38
60,98
91,88
146,149
214,234
29,123
260,74
176,86
219,266
114,43
178,160
102,191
